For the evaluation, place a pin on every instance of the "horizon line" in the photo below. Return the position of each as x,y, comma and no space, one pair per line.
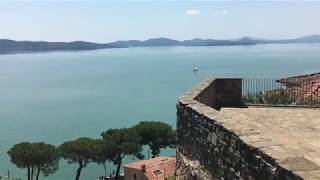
159,37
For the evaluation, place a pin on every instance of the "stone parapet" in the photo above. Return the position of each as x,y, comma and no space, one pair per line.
209,150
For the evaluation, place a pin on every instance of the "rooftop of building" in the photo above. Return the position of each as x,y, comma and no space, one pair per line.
289,134
301,79
155,167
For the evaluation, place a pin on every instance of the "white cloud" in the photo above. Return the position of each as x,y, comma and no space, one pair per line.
192,12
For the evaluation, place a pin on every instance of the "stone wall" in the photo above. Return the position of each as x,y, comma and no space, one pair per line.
222,93
206,149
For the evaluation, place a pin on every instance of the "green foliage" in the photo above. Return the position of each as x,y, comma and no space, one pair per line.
77,150
81,151
20,154
276,98
46,158
249,98
125,141
36,157
104,151
281,98
114,146
156,135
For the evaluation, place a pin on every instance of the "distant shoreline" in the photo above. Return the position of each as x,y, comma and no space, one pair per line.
19,47
49,51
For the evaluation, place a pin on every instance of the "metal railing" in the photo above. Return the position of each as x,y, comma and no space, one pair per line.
290,91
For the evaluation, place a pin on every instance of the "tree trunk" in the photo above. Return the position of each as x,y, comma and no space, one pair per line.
119,161
79,170
38,173
105,168
29,173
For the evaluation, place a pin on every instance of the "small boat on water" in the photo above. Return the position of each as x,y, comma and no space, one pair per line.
195,68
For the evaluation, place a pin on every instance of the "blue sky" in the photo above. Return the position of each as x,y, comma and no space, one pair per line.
108,21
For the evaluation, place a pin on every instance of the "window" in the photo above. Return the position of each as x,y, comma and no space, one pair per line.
157,172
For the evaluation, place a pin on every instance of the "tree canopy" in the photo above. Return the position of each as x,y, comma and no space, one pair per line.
114,145
156,135
80,151
36,157
125,141
104,151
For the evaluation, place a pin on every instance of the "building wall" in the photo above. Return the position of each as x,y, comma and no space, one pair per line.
129,174
207,150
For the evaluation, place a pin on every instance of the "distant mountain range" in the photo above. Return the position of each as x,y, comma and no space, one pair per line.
11,46
7,45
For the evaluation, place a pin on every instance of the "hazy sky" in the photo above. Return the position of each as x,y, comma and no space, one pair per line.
109,21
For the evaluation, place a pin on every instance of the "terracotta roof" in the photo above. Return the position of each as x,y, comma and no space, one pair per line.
301,89
300,79
155,168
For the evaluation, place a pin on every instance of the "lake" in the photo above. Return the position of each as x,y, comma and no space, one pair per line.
59,96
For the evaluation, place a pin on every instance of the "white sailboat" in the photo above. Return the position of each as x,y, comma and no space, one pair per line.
195,68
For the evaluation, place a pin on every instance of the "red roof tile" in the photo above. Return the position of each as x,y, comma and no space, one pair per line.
302,88
300,79
156,168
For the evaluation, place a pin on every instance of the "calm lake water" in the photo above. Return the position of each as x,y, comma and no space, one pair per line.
59,96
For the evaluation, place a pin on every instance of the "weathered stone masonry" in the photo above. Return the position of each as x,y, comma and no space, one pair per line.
207,149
